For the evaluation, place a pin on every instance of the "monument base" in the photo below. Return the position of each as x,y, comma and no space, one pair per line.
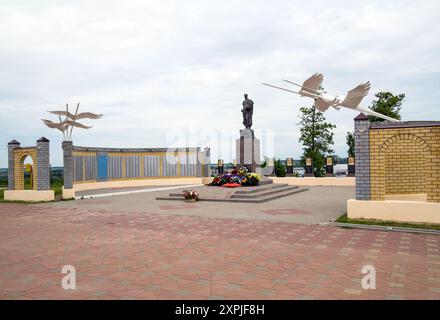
29,195
248,150
68,193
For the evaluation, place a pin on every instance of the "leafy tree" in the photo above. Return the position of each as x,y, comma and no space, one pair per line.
316,137
387,104
350,143
280,169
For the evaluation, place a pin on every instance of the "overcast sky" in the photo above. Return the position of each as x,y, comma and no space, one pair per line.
164,69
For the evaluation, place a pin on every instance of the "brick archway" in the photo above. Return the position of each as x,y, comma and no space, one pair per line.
41,167
407,136
403,167
19,156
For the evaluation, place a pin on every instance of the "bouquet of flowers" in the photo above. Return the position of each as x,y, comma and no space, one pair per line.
251,179
191,195
240,176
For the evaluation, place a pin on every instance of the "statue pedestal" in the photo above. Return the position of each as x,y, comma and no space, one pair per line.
248,150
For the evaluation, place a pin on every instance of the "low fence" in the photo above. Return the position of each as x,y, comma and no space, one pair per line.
92,164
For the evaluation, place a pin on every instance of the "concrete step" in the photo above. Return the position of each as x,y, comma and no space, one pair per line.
278,195
261,199
244,190
270,196
260,189
264,181
263,192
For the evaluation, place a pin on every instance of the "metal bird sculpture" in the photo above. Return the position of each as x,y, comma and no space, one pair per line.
311,88
70,121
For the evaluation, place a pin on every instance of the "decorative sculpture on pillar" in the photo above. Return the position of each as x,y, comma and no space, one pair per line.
66,125
248,110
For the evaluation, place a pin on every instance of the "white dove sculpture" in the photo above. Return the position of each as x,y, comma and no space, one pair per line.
312,88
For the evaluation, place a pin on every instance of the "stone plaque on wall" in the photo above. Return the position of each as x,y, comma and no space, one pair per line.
329,167
289,166
351,167
220,166
309,168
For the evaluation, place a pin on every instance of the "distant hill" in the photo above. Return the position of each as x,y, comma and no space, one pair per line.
4,171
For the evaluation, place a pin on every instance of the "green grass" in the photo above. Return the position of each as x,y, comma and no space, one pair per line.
57,186
345,219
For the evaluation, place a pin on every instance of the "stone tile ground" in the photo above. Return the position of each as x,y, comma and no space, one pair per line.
142,255
318,204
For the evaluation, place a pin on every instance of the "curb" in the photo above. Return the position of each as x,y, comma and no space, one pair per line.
102,195
383,228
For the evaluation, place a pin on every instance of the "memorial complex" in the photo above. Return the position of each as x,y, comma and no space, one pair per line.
199,181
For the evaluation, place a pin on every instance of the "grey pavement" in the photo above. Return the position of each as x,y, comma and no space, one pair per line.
318,204
115,190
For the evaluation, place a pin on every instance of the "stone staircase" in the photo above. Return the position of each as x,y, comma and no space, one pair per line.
266,191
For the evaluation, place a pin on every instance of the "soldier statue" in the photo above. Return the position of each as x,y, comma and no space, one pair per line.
248,110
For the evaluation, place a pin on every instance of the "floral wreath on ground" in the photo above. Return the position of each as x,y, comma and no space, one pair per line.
191,195
236,178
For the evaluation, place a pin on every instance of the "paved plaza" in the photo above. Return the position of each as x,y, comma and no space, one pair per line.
135,247
318,204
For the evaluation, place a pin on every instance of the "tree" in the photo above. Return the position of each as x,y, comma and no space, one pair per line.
316,137
350,143
280,169
387,104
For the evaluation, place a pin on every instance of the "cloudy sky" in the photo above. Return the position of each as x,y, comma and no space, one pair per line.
169,73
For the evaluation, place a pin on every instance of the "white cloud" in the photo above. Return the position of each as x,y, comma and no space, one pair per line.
152,66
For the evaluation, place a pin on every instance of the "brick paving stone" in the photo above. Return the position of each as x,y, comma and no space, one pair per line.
143,255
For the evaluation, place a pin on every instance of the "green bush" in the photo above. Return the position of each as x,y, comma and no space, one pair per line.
280,169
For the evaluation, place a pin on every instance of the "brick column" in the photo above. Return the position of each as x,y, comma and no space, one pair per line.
43,164
68,164
362,153
11,146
